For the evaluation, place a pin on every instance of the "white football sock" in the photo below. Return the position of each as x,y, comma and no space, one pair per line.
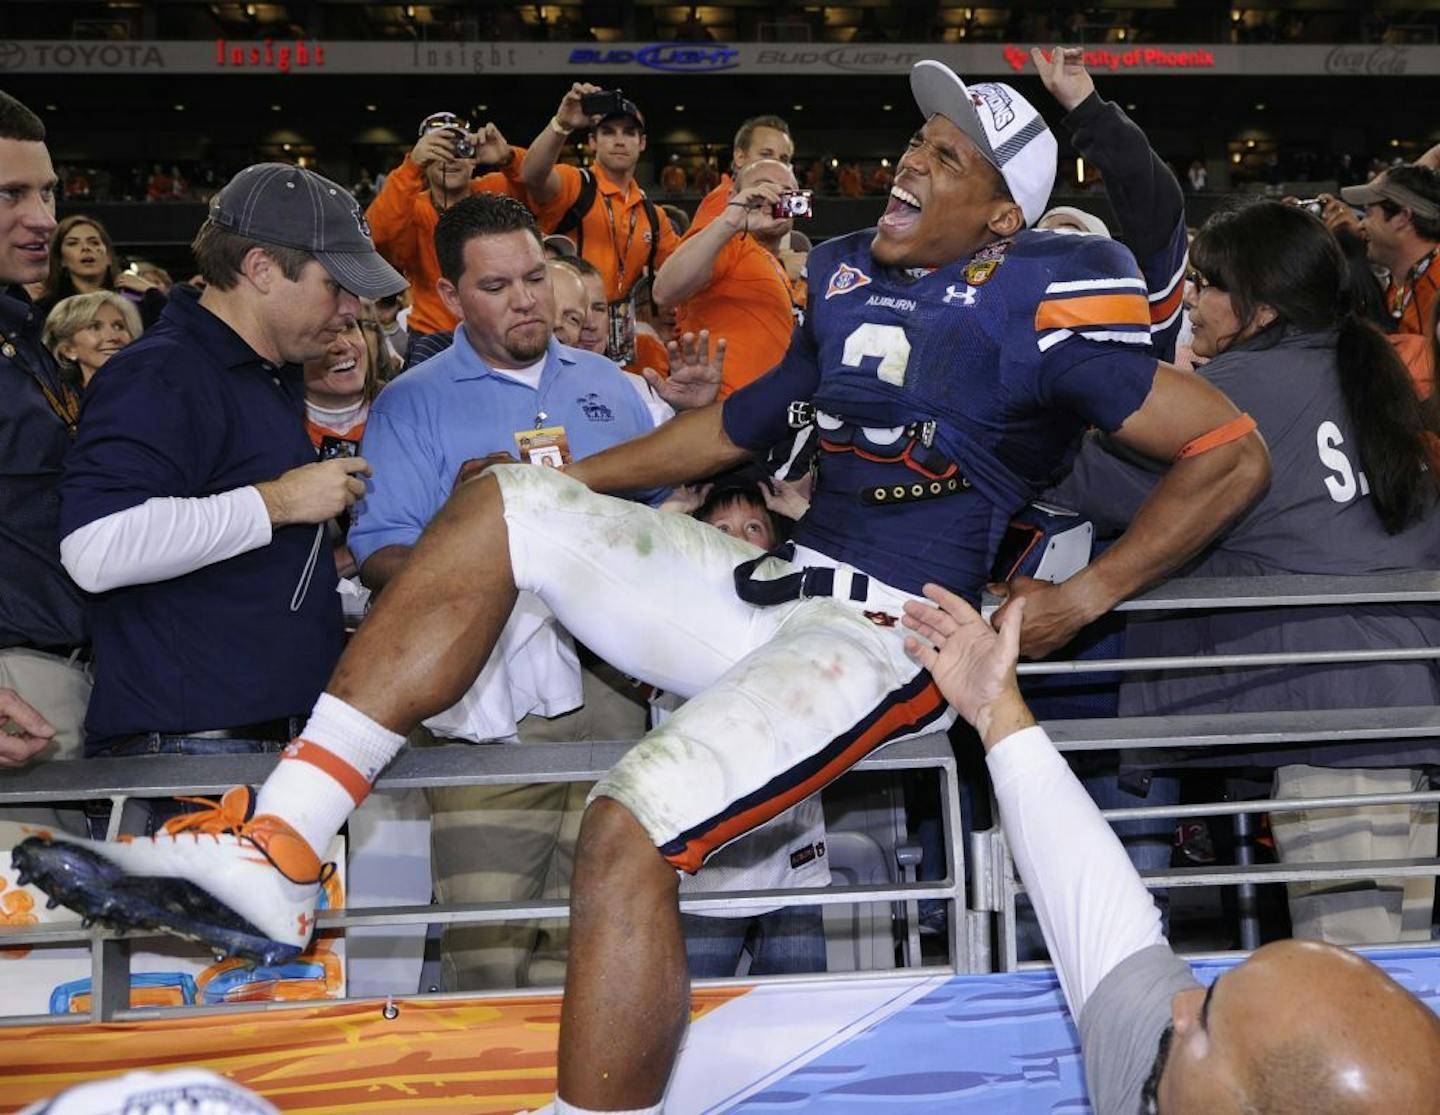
327,771
563,1108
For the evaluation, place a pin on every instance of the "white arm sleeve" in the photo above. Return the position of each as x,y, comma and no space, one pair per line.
1091,904
164,537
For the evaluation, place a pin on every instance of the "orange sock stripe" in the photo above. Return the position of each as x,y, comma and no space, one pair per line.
308,751
1233,430
927,701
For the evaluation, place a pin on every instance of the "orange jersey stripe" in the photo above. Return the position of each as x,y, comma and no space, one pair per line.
895,717
1093,310
308,751
1161,310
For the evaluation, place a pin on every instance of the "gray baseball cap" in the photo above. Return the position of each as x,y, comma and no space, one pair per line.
276,203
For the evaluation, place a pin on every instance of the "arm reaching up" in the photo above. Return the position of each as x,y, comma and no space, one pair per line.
1092,907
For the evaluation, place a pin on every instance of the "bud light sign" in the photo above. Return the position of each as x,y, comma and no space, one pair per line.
667,57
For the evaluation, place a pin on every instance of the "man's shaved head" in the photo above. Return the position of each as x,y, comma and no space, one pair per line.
765,170
1305,1028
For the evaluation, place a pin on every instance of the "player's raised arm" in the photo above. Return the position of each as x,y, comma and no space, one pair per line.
1219,467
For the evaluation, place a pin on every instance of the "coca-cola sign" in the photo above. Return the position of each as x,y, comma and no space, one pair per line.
1358,61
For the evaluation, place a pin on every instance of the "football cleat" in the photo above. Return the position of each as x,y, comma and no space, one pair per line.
243,885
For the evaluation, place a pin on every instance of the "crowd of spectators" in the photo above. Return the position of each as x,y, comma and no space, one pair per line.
133,181
526,299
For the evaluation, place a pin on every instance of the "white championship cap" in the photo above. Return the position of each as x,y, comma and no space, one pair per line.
1002,123
179,1090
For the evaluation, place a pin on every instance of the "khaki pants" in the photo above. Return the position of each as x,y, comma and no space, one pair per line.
517,844
1364,911
60,691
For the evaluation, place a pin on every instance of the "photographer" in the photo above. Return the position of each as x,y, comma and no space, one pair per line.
436,174
1402,226
614,225
728,277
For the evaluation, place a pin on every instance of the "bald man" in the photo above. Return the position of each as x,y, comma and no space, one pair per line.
570,302
1299,1027
728,277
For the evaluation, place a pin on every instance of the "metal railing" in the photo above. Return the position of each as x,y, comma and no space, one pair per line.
120,780
996,886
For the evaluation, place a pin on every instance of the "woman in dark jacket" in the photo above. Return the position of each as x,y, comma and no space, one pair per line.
1352,492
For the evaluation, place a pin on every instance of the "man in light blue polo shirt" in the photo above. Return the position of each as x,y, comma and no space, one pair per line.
505,387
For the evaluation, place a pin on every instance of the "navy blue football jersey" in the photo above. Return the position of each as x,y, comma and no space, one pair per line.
1164,274
944,400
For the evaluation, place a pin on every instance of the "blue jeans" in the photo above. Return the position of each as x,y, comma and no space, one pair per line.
152,813
782,942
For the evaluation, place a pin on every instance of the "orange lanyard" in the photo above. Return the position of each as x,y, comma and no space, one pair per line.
621,258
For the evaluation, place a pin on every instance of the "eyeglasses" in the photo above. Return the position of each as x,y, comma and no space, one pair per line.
1201,281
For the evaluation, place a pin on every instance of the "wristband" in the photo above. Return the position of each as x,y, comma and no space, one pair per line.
558,128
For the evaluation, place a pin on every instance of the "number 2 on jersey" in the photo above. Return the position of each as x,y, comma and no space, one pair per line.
887,342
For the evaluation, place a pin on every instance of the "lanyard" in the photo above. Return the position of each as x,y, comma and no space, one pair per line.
61,397
621,257
779,266
1405,293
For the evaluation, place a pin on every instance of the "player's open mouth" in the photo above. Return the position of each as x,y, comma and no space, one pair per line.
902,212
342,366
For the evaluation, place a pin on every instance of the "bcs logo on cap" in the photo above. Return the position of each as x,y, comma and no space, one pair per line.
994,97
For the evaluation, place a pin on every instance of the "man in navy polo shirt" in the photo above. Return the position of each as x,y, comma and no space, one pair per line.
42,621
192,504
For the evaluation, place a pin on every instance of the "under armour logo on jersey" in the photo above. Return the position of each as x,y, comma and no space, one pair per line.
966,297
846,279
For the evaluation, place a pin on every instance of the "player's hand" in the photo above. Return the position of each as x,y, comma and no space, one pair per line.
314,493
784,498
436,146
687,499
973,666
476,465
491,146
23,731
1053,615
1064,74
1337,215
694,372
752,209
570,114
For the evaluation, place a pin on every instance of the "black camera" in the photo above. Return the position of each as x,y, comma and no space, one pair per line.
1311,205
454,127
332,447
464,149
608,103
793,203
